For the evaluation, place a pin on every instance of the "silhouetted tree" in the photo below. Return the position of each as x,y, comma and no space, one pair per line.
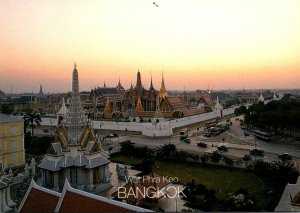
32,119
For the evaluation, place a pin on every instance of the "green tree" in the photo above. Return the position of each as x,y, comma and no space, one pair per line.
215,157
228,161
166,151
7,109
147,166
32,119
204,158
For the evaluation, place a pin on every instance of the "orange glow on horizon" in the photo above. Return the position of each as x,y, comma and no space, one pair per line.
197,44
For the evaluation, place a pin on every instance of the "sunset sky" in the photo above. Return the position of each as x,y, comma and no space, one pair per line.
220,44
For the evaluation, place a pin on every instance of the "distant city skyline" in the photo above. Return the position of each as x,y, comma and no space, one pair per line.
197,44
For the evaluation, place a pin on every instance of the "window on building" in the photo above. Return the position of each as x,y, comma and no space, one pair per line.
14,130
14,147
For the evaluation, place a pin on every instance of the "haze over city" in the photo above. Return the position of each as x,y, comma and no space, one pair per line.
197,44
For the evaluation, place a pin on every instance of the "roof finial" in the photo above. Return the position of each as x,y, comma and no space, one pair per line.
75,64
151,84
163,91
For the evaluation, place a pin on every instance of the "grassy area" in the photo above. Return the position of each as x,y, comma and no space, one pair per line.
223,180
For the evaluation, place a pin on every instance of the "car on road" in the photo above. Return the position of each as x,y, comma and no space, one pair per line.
246,134
127,142
202,145
285,156
257,152
187,140
246,157
223,148
207,134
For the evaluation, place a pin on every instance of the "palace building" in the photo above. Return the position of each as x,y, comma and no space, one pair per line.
11,141
143,99
140,104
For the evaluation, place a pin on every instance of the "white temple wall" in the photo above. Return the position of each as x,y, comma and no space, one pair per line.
149,129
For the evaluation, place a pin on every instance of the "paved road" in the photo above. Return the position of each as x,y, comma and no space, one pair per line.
238,145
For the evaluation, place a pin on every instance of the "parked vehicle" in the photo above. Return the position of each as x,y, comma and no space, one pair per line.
257,152
202,145
285,156
223,148
246,134
261,135
127,142
207,134
187,140
246,157
183,133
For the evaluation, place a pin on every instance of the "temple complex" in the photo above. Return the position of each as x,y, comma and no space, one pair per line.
144,99
76,153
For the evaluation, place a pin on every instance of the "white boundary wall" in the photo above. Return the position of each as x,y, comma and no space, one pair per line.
148,129
154,130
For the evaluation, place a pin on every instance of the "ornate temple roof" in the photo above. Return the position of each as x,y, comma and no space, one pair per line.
40,199
112,92
261,98
76,143
205,99
173,102
63,110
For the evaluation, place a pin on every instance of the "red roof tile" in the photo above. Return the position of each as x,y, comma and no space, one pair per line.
38,199
74,202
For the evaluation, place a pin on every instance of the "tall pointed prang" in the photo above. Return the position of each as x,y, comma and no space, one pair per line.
75,116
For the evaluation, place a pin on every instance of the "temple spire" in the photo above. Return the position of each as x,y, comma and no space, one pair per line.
75,83
138,79
119,86
261,98
131,87
139,86
151,84
218,106
163,91
41,91
75,116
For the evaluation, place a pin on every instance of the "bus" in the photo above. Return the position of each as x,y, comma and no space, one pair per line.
261,135
183,133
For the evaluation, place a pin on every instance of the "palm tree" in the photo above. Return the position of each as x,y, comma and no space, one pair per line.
33,120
